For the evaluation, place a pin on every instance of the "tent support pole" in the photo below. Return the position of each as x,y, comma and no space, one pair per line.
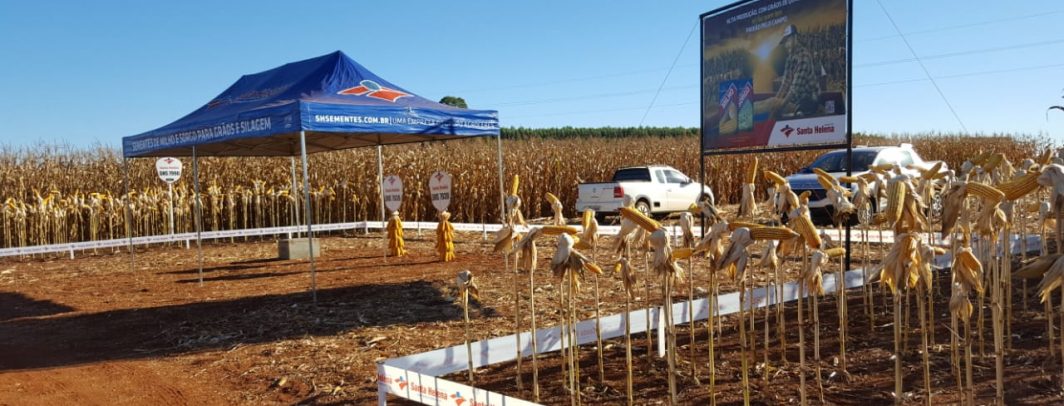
306,216
199,213
295,186
128,214
380,185
502,187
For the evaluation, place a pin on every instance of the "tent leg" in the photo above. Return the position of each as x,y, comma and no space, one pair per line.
502,188
128,214
295,186
306,216
380,183
199,213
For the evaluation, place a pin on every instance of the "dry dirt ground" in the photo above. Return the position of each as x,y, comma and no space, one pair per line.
94,331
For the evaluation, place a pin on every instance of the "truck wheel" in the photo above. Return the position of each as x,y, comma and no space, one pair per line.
934,209
705,197
601,218
644,208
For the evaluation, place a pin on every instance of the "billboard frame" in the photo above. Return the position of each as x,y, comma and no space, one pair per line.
848,145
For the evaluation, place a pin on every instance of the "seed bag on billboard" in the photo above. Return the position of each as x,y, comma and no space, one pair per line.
774,74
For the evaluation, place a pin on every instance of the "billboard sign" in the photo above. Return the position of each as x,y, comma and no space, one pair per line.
775,74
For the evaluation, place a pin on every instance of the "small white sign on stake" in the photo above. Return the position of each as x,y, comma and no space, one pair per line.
169,169
440,190
393,192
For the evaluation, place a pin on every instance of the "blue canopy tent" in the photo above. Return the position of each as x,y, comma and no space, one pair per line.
320,104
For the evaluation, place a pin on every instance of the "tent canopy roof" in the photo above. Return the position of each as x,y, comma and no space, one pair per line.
337,103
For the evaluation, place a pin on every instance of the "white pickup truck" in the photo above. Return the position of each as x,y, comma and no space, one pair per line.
655,189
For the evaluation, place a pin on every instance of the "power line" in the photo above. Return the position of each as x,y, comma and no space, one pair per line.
866,65
968,25
561,81
662,85
686,87
872,64
585,97
570,113
926,72
895,82
919,60
635,72
959,53
963,75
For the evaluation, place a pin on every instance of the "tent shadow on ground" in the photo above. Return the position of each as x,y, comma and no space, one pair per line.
302,265
125,334
17,305
232,266
388,265
238,277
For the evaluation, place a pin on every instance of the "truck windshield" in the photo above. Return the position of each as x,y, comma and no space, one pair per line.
632,174
835,161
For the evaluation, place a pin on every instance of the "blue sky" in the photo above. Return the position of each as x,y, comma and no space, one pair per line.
86,72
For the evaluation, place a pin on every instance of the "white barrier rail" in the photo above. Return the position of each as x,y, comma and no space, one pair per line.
158,239
888,237
253,232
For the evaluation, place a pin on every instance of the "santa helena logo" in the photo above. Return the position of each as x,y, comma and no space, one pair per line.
787,130
402,383
373,89
458,399
808,130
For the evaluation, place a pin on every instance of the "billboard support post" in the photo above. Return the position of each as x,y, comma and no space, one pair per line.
849,117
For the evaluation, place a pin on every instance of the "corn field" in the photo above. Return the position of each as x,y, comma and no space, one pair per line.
57,194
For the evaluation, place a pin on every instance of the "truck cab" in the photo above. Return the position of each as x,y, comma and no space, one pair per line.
654,190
